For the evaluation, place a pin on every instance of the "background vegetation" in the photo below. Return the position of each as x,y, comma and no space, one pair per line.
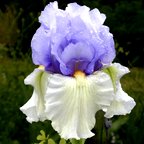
18,23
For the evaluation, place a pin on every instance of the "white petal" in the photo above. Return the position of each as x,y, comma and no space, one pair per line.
34,108
122,103
72,103
121,70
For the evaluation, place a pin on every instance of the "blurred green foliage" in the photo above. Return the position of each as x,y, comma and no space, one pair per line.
8,26
12,95
18,23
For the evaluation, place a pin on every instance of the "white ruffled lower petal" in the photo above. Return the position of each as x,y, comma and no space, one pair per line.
122,104
34,109
71,104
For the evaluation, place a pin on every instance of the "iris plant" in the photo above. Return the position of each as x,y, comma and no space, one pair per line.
76,77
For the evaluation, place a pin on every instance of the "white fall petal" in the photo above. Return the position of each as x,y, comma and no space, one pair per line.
72,102
34,109
122,103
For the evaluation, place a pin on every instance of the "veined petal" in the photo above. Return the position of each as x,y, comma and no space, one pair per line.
74,9
71,103
61,28
47,17
97,18
34,108
41,47
76,53
122,103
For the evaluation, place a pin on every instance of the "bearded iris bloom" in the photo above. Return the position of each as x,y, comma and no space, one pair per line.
76,76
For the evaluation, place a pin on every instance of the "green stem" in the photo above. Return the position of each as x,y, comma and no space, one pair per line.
100,136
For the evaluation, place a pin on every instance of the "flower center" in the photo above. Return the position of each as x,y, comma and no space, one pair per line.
80,78
79,74
41,67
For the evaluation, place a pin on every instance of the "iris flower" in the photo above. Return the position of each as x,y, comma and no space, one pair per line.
76,77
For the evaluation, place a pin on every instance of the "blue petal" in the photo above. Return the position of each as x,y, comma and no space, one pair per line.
79,55
41,47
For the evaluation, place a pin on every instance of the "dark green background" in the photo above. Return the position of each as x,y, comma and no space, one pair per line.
18,23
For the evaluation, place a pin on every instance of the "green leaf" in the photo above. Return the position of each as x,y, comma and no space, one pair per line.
42,133
42,142
42,136
62,141
74,141
51,141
